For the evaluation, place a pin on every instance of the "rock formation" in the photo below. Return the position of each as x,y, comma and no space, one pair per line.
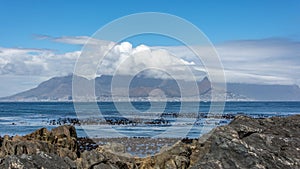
244,143
252,143
61,141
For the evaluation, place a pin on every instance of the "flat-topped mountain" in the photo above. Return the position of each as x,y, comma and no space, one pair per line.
60,89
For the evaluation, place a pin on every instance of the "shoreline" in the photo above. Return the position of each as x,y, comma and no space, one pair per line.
243,143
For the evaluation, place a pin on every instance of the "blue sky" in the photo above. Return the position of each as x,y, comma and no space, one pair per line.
36,34
219,20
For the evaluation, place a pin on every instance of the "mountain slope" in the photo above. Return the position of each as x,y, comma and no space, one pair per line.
60,88
54,88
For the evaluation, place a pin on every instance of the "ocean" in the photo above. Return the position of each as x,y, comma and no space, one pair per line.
149,120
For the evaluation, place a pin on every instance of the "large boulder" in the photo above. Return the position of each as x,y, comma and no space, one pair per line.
252,143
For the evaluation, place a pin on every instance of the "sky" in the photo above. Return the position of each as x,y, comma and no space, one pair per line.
258,41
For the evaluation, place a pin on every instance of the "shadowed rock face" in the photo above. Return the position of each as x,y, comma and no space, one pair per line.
244,143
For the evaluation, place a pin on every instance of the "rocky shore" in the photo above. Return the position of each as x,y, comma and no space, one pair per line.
244,143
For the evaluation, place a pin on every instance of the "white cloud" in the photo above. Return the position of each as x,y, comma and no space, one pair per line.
265,61
24,62
23,68
272,61
244,61
35,62
125,60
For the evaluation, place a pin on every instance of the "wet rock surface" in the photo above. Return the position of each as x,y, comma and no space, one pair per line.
244,143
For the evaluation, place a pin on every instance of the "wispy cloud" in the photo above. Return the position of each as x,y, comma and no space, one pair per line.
73,40
271,61
274,60
16,51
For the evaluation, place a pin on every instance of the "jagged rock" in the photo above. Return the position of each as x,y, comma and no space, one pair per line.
176,157
90,158
61,140
105,158
253,143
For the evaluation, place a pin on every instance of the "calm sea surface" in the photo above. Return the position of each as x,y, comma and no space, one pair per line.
24,117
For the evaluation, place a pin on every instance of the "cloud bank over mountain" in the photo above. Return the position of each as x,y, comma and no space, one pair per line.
263,61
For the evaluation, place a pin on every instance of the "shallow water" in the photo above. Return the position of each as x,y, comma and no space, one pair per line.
174,119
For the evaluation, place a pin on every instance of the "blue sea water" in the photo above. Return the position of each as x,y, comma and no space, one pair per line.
24,117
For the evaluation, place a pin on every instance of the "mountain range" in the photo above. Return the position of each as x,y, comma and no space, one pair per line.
141,87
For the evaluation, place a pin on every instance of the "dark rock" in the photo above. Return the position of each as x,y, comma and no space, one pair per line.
85,143
61,140
70,162
102,157
253,143
90,158
176,157
39,160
